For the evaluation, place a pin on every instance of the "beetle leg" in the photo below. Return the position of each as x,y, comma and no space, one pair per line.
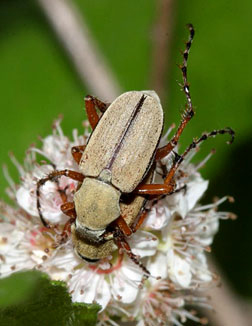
179,158
53,176
189,111
63,195
123,226
66,231
154,189
92,115
64,236
146,211
90,104
140,220
102,106
124,246
77,152
69,209
169,185
126,230
165,150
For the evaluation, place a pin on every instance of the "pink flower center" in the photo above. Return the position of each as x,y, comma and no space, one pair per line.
109,270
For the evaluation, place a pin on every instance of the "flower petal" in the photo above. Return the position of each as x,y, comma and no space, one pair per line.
178,269
89,287
143,243
158,265
158,217
126,282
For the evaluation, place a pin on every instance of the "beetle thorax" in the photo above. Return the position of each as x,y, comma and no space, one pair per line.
96,204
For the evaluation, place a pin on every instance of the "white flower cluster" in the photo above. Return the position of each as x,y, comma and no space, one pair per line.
171,243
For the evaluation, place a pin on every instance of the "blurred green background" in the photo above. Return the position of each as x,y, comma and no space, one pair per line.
38,82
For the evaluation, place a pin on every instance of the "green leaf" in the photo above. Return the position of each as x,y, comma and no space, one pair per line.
18,286
31,298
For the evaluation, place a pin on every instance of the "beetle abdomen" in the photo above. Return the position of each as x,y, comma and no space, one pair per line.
125,139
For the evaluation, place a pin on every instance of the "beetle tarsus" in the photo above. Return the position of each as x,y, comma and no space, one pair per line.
193,145
125,247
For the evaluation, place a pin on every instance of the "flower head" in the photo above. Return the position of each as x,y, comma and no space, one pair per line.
172,242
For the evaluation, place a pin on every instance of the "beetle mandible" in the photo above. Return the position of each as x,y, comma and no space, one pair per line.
116,170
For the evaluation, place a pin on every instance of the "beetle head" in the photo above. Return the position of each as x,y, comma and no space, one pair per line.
91,251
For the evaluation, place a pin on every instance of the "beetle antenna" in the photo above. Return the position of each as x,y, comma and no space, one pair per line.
186,88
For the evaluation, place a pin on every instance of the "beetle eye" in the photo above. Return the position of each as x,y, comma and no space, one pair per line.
91,260
88,259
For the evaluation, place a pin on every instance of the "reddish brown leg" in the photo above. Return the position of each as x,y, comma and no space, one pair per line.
165,150
126,230
140,220
189,112
124,246
63,195
63,237
169,185
179,159
90,104
102,106
77,152
154,189
123,231
69,209
145,212
54,176
123,226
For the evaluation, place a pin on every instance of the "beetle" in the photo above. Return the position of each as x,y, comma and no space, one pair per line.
116,170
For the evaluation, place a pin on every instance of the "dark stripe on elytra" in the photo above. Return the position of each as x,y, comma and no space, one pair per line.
129,123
